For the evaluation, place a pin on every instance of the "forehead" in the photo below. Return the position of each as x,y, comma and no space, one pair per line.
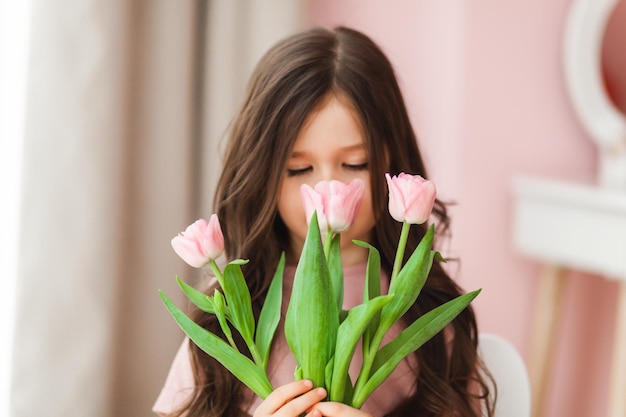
332,125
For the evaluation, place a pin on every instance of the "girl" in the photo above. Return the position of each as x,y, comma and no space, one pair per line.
325,104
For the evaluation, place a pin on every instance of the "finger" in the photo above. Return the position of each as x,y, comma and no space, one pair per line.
335,409
281,395
302,404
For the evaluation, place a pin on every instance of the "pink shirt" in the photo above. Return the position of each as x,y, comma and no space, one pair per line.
399,385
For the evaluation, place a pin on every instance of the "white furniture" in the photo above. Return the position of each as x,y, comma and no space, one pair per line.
579,227
605,124
509,372
569,226
573,226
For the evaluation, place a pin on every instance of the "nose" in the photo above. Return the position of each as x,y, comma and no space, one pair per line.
329,172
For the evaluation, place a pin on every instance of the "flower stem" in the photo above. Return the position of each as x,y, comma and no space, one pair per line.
377,338
327,243
254,351
397,264
226,331
256,356
217,272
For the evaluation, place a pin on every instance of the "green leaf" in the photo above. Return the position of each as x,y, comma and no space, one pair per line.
406,286
348,336
440,258
409,282
342,315
270,313
409,340
239,365
200,299
346,396
238,299
348,392
312,318
220,312
370,291
335,269
328,372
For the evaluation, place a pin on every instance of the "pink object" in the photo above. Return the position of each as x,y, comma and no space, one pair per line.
411,198
200,243
336,203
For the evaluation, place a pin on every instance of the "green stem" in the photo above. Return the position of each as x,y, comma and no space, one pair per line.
256,356
327,243
220,313
372,349
228,334
254,351
368,361
217,272
397,264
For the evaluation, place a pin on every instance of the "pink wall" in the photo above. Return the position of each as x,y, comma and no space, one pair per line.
485,87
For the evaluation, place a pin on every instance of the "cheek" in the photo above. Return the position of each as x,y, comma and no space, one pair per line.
366,212
290,205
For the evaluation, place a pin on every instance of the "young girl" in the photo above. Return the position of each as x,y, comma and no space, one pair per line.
321,105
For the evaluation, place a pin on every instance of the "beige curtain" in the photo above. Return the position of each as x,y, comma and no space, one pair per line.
238,33
127,102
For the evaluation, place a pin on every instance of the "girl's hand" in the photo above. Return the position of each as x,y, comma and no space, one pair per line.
291,400
333,409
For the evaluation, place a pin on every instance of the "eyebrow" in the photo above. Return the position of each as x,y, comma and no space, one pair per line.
350,148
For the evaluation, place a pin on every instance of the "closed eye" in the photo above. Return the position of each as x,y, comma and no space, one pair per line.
299,171
357,167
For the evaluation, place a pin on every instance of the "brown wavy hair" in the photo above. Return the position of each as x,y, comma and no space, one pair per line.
290,80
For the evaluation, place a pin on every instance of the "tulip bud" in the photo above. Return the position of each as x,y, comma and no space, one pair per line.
200,243
336,203
411,198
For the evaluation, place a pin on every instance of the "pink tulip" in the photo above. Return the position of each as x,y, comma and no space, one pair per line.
336,203
411,198
200,243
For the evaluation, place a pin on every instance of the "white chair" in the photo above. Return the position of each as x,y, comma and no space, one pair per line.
510,374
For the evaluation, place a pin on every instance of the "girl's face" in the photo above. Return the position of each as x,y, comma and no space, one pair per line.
330,146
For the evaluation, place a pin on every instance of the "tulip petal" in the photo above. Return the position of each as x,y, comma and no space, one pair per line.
344,204
200,243
396,200
336,203
213,242
411,198
314,202
195,231
188,251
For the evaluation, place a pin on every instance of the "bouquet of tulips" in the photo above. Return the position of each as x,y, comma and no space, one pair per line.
320,334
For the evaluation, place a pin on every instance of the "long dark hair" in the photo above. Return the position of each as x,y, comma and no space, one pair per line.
289,82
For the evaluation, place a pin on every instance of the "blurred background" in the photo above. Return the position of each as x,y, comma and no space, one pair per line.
113,115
